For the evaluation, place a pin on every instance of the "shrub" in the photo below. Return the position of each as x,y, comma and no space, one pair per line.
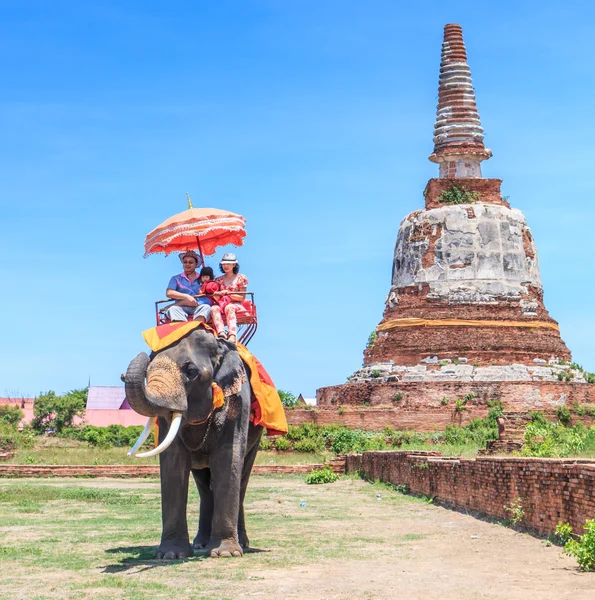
397,397
478,431
265,443
563,414
295,432
458,195
306,445
343,441
565,376
104,437
282,443
516,511
583,547
10,414
538,418
371,339
324,475
288,399
460,404
9,437
554,440
563,532
375,373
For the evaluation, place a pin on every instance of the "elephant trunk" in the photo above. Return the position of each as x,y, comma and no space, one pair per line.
164,392
135,385
165,388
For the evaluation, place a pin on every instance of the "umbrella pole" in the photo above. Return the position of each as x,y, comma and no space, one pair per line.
202,260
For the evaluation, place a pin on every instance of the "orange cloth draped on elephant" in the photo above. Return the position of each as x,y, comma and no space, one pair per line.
267,409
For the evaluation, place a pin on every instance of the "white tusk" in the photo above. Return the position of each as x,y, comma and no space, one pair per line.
143,436
169,438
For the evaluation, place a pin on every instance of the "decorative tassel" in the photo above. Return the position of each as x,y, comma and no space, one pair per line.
218,396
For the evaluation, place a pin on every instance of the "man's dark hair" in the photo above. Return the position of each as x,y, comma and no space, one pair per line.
207,271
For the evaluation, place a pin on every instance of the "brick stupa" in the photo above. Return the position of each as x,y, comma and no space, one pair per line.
465,315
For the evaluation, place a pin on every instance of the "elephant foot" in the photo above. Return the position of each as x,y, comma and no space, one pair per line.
225,549
173,551
201,541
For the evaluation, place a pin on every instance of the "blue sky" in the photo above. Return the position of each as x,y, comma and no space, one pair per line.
312,119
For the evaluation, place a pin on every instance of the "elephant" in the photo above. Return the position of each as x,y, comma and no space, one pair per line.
217,444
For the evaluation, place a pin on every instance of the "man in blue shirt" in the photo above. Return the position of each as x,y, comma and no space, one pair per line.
182,288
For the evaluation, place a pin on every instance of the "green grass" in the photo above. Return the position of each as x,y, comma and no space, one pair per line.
97,538
81,454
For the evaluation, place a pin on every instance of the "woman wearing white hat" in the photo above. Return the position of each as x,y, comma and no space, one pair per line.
229,300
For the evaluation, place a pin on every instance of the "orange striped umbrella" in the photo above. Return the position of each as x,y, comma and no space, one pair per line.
202,229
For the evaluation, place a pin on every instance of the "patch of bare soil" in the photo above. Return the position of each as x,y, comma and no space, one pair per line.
413,550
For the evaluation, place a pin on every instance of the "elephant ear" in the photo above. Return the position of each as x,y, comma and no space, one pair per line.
230,373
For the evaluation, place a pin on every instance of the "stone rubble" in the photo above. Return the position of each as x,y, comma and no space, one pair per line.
446,370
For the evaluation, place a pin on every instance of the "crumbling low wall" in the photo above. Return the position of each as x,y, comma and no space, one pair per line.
377,418
550,490
125,471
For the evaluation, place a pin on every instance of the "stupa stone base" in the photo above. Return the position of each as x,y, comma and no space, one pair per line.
406,415
475,395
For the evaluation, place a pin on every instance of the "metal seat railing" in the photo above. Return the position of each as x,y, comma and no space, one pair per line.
247,318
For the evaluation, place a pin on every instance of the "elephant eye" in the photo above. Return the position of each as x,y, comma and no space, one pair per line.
191,371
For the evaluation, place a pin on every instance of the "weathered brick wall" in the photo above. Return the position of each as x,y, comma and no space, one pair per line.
488,190
79,470
550,490
514,395
480,345
338,466
376,418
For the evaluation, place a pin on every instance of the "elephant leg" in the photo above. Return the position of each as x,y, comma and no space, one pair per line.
174,469
226,474
254,435
202,477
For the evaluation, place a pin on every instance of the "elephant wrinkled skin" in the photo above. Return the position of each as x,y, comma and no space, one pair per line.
217,445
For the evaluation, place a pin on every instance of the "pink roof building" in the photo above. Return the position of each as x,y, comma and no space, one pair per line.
107,405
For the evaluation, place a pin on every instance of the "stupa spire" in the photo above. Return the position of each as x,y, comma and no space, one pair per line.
458,134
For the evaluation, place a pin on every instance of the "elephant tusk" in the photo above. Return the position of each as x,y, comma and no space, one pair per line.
143,436
169,438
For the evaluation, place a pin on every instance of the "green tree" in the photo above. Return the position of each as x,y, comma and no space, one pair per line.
10,414
288,399
54,413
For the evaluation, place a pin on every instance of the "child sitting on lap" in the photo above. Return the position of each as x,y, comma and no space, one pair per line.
208,287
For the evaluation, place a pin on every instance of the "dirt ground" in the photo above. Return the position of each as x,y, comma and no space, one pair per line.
353,539
443,554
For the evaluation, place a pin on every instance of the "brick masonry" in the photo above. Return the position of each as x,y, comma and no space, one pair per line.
376,418
487,190
514,395
136,471
550,490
